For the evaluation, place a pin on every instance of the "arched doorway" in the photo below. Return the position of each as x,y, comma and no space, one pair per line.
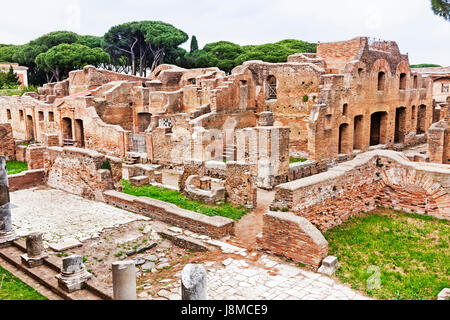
30,128
421,119
378,126
345,145
67,131
358,133
400,125
79,133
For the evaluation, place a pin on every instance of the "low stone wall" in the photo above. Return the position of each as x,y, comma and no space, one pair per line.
26,179
216,227
77,171
376,178
293,237
301,170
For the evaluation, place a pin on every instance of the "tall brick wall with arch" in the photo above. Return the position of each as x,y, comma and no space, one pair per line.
377,178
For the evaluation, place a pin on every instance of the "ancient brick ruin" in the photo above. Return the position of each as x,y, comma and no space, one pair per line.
228,136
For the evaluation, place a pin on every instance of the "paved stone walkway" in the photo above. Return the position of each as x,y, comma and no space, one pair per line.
61,216
237,280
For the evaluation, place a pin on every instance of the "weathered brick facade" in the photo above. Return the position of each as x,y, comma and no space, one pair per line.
7,146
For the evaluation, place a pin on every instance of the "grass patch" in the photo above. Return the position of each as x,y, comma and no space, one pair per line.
295,160
12,288
13,167
410,251
177,198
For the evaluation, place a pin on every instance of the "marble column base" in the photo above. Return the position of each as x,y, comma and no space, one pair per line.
33,262
73,281
6,238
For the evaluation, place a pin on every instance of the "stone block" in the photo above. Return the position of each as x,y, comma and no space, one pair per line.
139,181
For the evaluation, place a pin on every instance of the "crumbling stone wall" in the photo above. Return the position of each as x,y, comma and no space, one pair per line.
266,150
239,185
7,145
77,171
377,178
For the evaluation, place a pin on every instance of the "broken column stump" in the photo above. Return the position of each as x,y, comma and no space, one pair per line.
193,282
73,274
35,251
124,280
7,234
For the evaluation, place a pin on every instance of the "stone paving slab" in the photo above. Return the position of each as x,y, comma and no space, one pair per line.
237,280
63,217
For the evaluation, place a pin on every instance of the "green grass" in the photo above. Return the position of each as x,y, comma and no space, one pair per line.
295,160
17,92
13,167
411,251
12,288
178,199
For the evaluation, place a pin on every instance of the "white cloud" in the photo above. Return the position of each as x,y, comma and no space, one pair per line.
411,23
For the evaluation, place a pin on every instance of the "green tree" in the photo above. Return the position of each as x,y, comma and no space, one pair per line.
61,59
9,80
194,44
441,8
145,42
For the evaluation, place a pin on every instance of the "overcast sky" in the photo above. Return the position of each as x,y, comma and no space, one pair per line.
411,23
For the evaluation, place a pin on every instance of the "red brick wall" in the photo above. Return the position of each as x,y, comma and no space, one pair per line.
7,146
293,237
34,157
379,178
338,54
26,179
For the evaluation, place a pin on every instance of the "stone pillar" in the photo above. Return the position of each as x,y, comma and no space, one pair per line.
35,251
124,280
6,232
73,274
193,282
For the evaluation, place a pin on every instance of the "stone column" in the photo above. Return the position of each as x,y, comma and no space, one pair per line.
124,280
6,233
35,251
193,282
73,274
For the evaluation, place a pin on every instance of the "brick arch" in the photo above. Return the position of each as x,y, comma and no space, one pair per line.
381,65
409,189
353,68
403,67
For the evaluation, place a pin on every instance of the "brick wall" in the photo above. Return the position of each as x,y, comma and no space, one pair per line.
34,157
293,237
26,179
77,171
377,178
7,146
216,226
